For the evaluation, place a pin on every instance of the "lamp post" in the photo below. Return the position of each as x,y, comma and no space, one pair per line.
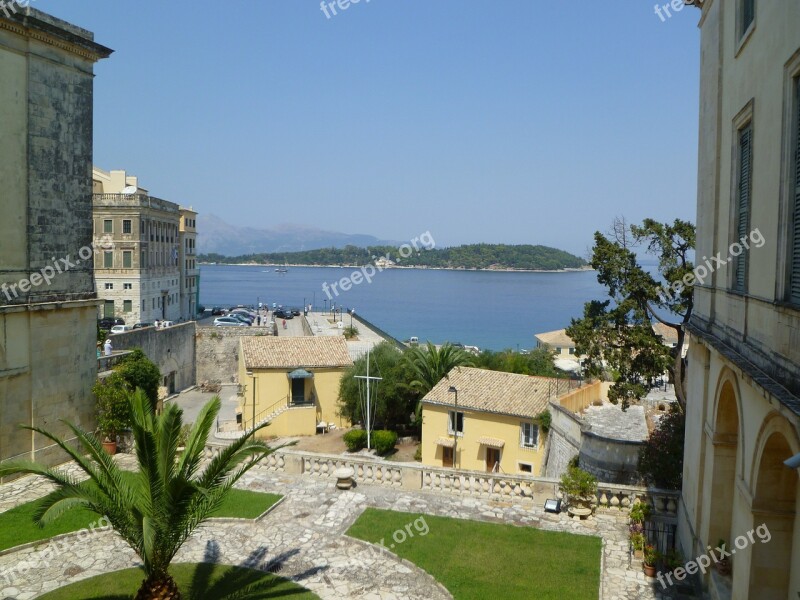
454,390
352,312
250,374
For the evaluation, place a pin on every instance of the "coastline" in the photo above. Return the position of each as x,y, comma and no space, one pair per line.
419,267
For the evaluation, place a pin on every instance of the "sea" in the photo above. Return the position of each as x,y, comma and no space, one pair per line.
493,310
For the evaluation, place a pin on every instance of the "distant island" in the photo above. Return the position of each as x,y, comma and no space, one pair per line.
524,257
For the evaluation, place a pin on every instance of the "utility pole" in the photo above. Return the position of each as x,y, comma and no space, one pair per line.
368,378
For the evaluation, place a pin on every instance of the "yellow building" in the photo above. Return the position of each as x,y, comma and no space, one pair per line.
743,408
293,382
482,420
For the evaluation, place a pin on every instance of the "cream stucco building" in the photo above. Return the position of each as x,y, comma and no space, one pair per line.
482,420
743,411
292,382
48,304
144,252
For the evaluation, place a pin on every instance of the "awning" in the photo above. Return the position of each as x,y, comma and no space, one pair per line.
300,374
446,442
491,442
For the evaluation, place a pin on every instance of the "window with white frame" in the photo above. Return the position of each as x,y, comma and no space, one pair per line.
455,423
528,435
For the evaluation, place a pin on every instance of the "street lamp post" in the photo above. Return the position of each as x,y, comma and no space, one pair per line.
454,391
325,306
250,374
352,312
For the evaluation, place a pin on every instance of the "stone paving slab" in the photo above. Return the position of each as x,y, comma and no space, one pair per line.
304,539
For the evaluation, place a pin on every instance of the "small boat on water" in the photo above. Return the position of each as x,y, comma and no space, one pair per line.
281,270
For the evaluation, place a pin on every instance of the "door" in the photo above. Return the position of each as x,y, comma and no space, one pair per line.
492,458
108,309
447,457
298,391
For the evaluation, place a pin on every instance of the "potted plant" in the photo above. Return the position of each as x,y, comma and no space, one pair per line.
650,559
724,563
640,512
638,540
113,409
580,489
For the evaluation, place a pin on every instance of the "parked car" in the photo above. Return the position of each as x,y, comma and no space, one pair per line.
241,317
109,322
242,311
217,311
165,324
120,328
295,311
283,313
142,325
228,322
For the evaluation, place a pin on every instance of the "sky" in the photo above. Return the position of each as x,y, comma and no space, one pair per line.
514,121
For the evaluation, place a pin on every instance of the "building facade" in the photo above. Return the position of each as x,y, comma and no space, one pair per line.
743,408
137,246
187,258
48,303
482,420
292,382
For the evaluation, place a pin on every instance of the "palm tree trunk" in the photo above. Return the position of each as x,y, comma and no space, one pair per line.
159,587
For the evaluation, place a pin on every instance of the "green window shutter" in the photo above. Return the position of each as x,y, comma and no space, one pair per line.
795,248
743,193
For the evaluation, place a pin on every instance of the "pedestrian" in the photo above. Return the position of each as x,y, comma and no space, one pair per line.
107,347
284,323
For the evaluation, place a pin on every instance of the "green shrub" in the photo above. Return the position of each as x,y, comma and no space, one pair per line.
418,454
578,485
661,457
384,441
355,440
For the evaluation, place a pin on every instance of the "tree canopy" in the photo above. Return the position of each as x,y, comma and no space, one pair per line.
617,333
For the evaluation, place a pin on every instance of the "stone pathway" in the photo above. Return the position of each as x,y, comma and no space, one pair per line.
303,539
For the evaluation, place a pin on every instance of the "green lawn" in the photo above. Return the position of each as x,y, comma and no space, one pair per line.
196,582
476,560
17,526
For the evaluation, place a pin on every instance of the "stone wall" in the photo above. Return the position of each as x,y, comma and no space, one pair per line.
610,460
564,440
172,349
218,351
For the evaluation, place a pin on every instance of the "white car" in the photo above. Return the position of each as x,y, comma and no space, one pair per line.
120,328
228,322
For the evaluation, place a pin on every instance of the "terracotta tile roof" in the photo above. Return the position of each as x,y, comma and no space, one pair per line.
556,339
667,333
494,392
268,352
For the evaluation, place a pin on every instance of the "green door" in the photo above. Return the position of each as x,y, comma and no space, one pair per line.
108,309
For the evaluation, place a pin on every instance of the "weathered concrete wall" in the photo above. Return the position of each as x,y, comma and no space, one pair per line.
610,460
47,297
172,349
218,351
564,440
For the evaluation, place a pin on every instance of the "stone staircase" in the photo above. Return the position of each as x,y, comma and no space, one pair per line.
237,433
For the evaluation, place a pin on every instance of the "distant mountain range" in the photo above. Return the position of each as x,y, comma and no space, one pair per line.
215,236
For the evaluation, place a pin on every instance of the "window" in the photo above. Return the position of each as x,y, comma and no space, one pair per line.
528,435
744,186
109,286
558,350
747,14
127,286
143,260
572,350
455,423
108,226
525,468
108,260
794,234
108,308
127,306
126,226
127,259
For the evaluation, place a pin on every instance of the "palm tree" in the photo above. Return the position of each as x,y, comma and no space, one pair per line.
430,364
156,509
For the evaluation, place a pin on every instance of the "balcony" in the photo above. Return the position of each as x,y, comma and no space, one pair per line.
134,201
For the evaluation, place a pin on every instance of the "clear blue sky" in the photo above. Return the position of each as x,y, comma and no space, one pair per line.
521,121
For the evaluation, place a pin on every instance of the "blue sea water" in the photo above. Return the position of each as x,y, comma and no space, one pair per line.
488,309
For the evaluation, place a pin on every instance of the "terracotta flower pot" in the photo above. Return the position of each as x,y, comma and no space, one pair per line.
110,447
649,570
